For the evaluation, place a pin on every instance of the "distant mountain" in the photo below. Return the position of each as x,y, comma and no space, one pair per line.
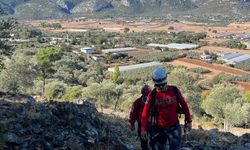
41,9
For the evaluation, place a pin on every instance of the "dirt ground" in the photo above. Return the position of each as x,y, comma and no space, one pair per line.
117,25
215,70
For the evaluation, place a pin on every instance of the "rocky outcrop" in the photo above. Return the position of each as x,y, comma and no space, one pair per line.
28,124
55,125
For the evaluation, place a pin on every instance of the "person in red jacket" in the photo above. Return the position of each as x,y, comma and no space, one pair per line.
135,114
166,120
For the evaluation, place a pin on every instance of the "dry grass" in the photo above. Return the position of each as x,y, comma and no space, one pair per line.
140,26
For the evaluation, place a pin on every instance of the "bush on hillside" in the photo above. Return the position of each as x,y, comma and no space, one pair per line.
105,94
220,78
234,44
200,70
55,90
73,93
193,55
245,78
18,76
243,65
248,96
225,103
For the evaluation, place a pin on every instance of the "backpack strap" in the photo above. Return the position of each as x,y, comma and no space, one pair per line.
154,113
176,92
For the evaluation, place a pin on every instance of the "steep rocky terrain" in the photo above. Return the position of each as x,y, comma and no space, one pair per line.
41,9
29,124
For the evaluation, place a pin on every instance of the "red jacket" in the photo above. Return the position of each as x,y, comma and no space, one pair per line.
166,106
136,111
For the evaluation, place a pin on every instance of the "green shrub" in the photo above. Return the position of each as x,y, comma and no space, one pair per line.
193,55
245,78
55,89
200,70
220,78
73,93
248,96
243,65
234,44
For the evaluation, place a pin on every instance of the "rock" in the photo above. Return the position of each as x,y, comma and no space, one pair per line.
35,128
12,138
247,145
90,106
185,148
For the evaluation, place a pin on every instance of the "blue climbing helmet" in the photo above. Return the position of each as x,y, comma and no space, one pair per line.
159,76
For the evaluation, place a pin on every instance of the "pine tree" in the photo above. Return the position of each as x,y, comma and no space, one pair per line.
45,58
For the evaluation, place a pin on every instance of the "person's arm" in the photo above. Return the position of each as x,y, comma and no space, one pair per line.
133,114
145,113
185,107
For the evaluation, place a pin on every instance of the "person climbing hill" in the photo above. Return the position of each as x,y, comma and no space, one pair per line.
164,104
135,114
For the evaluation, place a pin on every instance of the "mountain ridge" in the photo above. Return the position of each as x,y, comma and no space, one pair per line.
36,9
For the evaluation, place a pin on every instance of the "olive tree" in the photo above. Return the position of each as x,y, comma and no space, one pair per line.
6,26
18,76
225,103
105,94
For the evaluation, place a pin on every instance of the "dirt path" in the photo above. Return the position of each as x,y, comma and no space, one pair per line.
244,85
215,70
214,67
189,65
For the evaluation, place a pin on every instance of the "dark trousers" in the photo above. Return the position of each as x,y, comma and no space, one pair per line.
144,143
172,135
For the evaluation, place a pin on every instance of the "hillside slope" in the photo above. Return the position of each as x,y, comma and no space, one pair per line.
28,124
37,9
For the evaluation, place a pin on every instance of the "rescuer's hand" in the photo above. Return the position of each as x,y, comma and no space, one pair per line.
188,126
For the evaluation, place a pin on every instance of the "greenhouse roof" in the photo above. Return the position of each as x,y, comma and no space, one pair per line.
175,46
136,66
231,56
240,58
116,50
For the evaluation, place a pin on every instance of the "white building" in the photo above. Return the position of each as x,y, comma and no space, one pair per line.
87,50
